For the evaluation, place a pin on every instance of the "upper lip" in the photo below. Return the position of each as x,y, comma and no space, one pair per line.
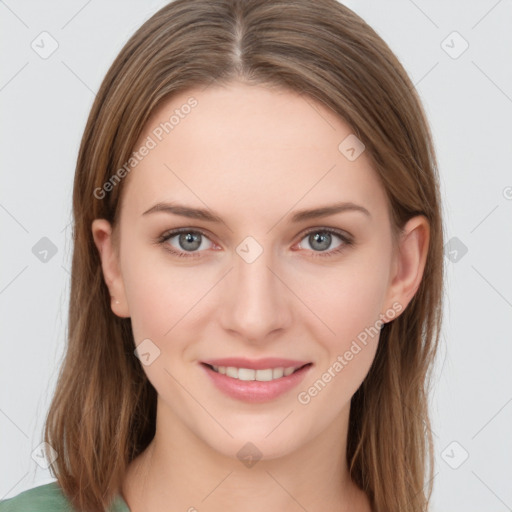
256,364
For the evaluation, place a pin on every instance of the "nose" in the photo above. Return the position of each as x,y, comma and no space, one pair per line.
255,303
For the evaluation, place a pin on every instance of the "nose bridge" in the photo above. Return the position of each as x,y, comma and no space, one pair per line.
254,305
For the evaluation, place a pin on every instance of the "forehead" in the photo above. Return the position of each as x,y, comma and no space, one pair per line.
243,147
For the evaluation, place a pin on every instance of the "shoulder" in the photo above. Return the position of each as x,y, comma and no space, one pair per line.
44,498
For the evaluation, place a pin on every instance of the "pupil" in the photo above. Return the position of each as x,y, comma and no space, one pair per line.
324,240
190,238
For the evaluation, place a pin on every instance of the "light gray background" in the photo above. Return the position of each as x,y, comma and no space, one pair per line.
468,99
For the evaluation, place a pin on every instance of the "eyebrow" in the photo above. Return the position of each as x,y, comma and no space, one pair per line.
299,216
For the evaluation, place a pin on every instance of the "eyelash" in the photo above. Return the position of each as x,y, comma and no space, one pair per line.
347,242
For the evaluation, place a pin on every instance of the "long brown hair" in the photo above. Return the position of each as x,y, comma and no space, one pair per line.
104,409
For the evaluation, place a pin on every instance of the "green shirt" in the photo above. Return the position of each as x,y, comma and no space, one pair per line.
49,498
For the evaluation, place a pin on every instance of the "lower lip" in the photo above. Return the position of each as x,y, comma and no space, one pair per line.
253,390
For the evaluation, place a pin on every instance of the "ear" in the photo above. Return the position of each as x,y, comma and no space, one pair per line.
409,262
103,239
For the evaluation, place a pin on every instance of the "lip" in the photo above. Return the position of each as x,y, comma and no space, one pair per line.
256,364
255,391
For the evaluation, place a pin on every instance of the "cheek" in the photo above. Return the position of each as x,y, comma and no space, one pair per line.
162,296
346,298
158,300
350,305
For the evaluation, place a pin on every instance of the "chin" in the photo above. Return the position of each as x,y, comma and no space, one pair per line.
256,443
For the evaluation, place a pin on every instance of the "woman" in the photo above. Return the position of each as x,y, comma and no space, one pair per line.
257,272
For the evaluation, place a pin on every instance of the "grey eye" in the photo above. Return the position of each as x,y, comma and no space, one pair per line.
188,241
321,240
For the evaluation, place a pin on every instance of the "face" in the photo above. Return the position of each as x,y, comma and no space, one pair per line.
250,278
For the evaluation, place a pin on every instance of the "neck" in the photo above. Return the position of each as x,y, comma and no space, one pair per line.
179,470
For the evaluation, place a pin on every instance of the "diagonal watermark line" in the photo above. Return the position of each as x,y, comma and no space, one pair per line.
424,14
216,487
414,85
286,490
417,416
14,218
305,194
286,417
318,112
424,487
211,288
194,193
334,334
14,486
76,14
13,423
484,218
492,419
485,15
492,81
427,73
78,77
198,403
490,284
12,12
12,280
14,76
508,508
66,226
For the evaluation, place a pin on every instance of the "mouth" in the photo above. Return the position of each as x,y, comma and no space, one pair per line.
251,374
256,385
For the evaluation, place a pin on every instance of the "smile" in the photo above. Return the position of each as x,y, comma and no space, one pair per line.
270,379
248,374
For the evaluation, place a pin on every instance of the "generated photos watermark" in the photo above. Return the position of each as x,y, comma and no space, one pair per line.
151,142
305,397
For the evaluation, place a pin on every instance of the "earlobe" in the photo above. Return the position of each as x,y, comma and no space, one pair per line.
411,257
103,239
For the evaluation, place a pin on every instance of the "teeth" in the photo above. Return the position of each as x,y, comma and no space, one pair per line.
264,375
246,374
249,374
231,371
277,373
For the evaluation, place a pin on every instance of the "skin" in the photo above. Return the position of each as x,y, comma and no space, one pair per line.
254,156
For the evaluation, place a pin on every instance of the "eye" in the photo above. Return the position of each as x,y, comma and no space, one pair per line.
321,240
185,242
